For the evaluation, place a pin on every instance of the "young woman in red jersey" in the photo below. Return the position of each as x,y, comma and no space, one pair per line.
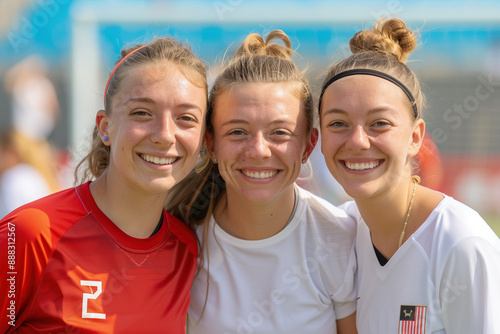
104,257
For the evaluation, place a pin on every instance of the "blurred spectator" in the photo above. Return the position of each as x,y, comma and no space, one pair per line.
430,168
20,183
35,108
35,112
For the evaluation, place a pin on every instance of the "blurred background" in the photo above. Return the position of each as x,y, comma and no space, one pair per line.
56,55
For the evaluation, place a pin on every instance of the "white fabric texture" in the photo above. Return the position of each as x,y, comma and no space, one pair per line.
298,281
450,265
19,185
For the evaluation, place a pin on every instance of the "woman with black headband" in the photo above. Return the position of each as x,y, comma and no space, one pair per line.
427,263
104,256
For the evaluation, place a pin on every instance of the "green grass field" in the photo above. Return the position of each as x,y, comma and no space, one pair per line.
494,222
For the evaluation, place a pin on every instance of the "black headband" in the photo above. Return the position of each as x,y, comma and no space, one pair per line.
379,74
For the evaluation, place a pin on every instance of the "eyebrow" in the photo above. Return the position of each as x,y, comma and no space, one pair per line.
151,101
242,121
371,111
140,99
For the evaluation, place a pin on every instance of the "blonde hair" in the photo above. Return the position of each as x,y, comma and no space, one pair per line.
165,49
384,48
256,61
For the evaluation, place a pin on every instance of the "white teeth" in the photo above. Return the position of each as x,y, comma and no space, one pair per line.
157,160
362,165
261,175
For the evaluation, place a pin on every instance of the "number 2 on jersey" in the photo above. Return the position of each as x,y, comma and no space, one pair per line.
86,296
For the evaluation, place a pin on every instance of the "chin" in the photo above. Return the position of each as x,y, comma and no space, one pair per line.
160,186
359,192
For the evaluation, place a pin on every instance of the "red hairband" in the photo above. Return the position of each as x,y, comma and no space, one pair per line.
114,70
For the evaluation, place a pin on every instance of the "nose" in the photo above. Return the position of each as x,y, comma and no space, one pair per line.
258,147
358,139
164,129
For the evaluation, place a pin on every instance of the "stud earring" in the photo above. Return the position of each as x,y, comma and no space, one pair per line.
215,160
202,149
105,138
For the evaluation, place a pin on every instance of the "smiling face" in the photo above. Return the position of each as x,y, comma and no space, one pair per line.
260,140
368,134
155,128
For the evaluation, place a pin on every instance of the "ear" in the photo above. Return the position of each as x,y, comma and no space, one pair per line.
209,139
417,137
310,145
102,123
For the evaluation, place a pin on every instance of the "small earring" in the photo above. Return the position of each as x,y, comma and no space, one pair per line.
215,160
105,138
202,149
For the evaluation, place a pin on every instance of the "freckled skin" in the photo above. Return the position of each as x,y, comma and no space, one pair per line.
158,112
259,129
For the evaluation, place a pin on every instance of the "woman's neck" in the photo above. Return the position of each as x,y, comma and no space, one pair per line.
135,213
251,221
385,214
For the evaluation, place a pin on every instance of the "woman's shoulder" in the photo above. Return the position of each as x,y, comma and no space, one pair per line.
182,232
453,223
46,215
320,210
319,204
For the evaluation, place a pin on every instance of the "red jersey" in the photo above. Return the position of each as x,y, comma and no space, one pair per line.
67,268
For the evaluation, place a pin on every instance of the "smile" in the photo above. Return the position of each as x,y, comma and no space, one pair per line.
361,165
259,175
158,160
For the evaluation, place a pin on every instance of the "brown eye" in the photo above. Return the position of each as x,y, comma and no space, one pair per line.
381,124
337,124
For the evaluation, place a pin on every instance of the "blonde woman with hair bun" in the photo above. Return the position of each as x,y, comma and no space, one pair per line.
426,262
274,257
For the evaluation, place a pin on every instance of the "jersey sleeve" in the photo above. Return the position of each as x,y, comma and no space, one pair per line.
469,291
345,299
25,248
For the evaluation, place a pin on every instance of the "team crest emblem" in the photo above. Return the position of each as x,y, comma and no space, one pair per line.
412,319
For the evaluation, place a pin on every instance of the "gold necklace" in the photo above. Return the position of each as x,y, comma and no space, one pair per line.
416,180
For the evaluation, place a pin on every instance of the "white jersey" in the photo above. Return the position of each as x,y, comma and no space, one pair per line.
300,280
444,279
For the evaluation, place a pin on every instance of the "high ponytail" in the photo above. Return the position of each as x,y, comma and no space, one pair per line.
385,48
391,36
254,45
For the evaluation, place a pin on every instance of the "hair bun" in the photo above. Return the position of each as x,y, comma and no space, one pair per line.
388,36
254,44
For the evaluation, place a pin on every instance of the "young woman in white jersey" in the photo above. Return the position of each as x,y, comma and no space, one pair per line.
427,263
276,259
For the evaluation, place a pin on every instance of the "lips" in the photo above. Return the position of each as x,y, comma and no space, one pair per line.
362,165
158,160
259,175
